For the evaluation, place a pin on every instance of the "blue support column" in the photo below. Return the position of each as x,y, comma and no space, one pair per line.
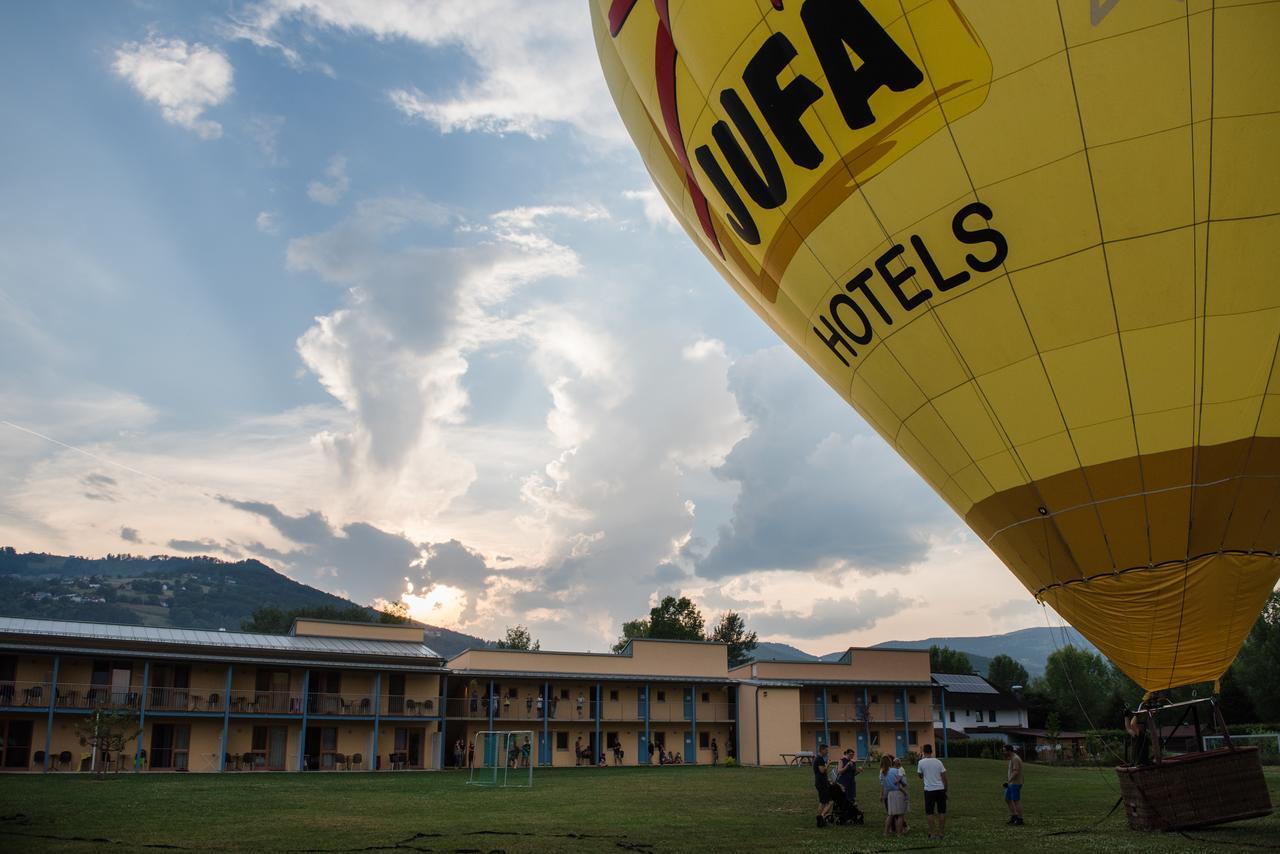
906,722
445,749
600,748
737,724
826,718
693,720
306,707
648,713
945,754
377,720
142,716
226,722
866,715
491,704
53,698
546,726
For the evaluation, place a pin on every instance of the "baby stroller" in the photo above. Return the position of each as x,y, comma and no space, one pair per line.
844,810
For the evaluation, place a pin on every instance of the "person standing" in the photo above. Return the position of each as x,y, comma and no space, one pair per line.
1013,785
846,770
823,785
471,753
458,750
581,702
577,752
650,751
715,753
934,775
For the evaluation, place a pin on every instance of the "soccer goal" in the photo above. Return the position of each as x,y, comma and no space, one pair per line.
1268,743
504,758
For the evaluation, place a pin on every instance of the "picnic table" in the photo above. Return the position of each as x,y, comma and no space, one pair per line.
800,758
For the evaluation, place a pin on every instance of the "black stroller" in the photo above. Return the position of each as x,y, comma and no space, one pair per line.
844,809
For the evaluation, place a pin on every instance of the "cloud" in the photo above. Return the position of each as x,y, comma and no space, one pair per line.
205,546
264,131
656,210
130,535
330,192
268,222
182,79
531,66
818,489
830,616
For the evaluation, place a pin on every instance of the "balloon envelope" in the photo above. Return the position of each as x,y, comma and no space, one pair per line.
1034,244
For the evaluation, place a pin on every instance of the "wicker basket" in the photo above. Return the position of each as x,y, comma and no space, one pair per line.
1195,790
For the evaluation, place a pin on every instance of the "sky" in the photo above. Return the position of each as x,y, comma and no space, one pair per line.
378,292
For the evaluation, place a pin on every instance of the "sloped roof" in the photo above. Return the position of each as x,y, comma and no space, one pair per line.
964,683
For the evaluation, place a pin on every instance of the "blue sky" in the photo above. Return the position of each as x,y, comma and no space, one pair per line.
379,293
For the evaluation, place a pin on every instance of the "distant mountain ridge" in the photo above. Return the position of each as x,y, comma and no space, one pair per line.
181,592
1029,647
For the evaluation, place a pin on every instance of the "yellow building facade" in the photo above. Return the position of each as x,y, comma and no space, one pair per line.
334,696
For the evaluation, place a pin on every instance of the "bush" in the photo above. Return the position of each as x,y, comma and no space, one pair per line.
731,763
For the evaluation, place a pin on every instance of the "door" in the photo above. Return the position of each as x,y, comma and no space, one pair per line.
544,749
277,747
395,694
820,706
414,749
862,745
899,710
642,703
642,749
900,741
688,704
690,756
15,744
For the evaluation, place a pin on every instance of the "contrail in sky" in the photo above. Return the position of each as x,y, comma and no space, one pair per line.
86,453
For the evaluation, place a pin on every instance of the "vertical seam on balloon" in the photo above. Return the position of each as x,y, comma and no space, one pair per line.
1106,266
884,342
1047,525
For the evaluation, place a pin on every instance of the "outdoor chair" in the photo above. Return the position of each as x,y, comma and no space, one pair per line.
428,705
356,760
247,759
339,761
64,759
38,758
410,707
33,695
364,706
213,702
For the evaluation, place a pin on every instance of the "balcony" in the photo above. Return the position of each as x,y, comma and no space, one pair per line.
24,694
182,700
71,695
873,713
340,705
398,705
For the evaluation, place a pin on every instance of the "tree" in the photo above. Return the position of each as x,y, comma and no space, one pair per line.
631,630
271,620
946,660
1258,664
1079,683
676,619
518,637
732,629
107,731
393,612
1004,672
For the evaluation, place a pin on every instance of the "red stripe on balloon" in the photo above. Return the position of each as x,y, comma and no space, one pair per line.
618,13
665,71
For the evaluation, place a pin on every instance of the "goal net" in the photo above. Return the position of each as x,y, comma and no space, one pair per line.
1268,744
504,758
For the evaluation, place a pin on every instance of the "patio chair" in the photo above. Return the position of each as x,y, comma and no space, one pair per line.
364,706
428,705
356,760
64,759
213,702
38,758
6,695
339,760
247,759
410,707
33,696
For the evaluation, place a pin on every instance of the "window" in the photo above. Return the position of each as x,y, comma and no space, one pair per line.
564,693
613,695
660,739
704,740
979,718
706,696
513,693
835,738
169,746
991,716
911,698
562,740
875,738
662,696
953,715
15,744
913,737
835,698
875,698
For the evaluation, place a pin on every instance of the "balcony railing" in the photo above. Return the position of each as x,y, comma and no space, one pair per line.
527,709
20,693
71,695
398,705
873,713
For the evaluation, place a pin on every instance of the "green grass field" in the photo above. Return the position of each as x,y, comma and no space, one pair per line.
681,809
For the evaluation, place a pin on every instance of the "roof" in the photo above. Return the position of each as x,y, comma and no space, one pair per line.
964,683
1024,731
12,628
561,676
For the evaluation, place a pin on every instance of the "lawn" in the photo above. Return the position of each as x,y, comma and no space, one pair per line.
683,809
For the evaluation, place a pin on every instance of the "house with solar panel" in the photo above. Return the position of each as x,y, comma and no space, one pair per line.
969,702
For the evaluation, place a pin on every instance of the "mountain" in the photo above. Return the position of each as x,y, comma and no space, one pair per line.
181,592
1030,647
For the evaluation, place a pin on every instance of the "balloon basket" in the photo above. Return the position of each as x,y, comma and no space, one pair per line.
1195,790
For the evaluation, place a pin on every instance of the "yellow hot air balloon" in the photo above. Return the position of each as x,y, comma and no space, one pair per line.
1035,244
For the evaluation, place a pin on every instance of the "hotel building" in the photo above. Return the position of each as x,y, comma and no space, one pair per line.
358,696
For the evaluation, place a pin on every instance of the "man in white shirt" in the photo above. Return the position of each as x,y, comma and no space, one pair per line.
934,774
